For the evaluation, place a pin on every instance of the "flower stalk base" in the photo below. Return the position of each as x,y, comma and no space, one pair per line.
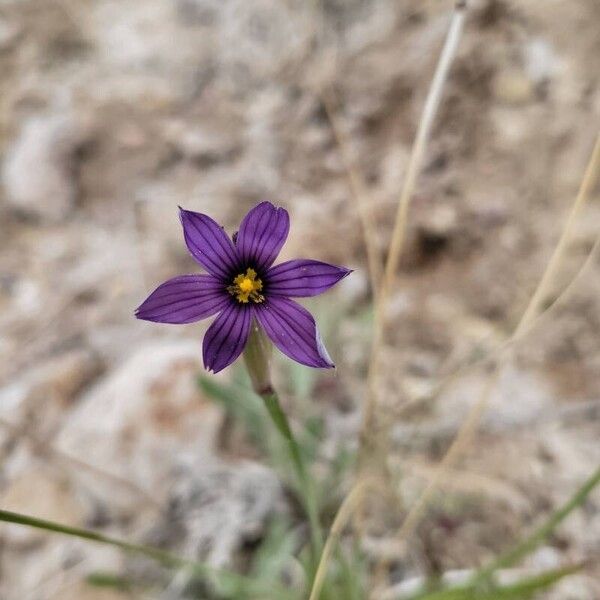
257,356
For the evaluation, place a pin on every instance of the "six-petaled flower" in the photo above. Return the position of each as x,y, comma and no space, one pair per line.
242,285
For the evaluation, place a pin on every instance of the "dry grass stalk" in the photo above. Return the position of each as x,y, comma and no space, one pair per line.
359,194
345,512
540,317
354,501
469,427
399,233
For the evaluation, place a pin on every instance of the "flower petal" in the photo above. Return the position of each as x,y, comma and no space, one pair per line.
303,277
184,299
262,235
294,331
226,337
209,244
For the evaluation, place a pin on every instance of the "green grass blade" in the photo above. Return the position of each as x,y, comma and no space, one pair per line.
101,579
519,590
275,552
530,543
529,586
240,402
220,577
155,553
352,573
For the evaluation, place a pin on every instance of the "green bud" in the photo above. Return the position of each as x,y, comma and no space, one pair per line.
257,356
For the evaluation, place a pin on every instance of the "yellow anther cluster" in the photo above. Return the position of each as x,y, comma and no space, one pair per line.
246,287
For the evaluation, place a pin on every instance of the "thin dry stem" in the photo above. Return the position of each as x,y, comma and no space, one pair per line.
349,505
469,427
461,441
589,179
534,322
469,482
414,166
359,193
398,236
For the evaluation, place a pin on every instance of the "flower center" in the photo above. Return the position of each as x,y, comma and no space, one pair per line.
246,286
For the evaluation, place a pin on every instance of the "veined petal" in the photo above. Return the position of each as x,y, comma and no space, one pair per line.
184,299
302,278
209,244
262,235
294,331
226,337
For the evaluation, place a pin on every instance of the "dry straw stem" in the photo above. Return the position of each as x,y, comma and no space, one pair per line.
589,180
494,354
398,236
570,412
356,182
349,505
359,193
469,427
469,483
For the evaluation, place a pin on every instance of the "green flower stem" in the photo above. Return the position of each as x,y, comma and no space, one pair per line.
281,422
257,356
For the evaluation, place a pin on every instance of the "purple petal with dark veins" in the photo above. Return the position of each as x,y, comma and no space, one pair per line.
303,277
262,235
209,244
184,299
226,337
294,331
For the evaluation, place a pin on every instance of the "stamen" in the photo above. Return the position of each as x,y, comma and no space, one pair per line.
246,286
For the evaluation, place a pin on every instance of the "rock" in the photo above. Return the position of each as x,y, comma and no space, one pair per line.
545,557
203,145
258,39
83,591
39,170
39,399
144,35
26,295
541,62
57,568
215,509
9,34
512,127
517,398
197,12
140,422
441,222
513,87
575,587
436,228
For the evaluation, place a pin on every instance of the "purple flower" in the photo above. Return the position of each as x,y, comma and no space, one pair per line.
242,286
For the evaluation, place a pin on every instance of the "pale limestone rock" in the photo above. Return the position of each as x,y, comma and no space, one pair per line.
38,174
141,421
215,508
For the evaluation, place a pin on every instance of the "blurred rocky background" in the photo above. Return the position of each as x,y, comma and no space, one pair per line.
114,112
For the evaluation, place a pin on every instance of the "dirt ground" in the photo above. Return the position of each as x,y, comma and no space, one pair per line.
114,113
